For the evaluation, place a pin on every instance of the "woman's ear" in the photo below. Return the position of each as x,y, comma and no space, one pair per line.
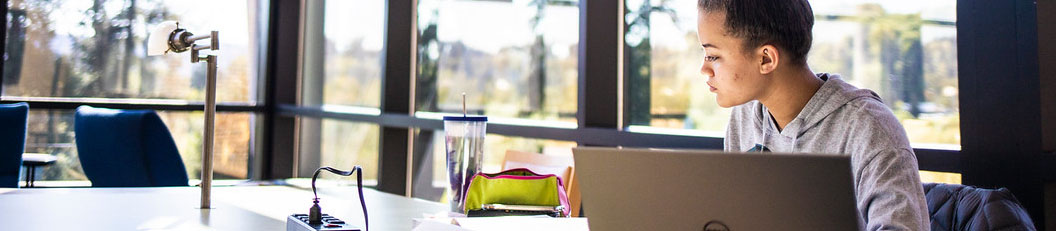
769,57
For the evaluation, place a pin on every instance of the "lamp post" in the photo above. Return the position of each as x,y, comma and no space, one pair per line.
168,36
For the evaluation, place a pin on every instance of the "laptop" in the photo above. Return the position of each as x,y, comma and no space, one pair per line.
642,189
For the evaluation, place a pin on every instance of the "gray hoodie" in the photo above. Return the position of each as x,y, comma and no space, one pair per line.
842,119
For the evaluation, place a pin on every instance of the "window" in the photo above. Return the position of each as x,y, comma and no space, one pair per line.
513,59
230,145
343,50
940,177
96,49
662,80
905,51
338,144
342,71
76,52
51,132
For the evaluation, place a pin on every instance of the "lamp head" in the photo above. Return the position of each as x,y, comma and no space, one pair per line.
167,36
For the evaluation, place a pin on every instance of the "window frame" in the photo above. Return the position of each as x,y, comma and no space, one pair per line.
1011,153
601,113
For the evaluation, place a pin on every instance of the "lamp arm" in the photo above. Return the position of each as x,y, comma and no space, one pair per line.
184,38
194,38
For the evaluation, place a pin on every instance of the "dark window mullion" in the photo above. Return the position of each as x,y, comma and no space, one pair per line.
599,64
277,158
999,95
938,160
397,57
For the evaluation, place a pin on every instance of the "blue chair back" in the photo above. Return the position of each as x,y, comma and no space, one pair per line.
12,142
127,148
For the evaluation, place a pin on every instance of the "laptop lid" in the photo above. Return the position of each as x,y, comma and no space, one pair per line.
639,189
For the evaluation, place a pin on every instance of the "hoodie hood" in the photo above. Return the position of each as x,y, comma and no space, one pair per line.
833,95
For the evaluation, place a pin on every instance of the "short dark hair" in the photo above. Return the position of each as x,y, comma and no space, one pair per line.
786,24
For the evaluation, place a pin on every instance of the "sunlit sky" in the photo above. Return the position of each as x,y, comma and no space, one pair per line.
351,20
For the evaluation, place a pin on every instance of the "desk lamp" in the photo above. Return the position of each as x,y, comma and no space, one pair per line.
168,36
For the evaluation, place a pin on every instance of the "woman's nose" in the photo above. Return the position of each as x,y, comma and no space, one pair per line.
706,70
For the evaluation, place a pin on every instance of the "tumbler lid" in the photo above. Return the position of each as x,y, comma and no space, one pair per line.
466,118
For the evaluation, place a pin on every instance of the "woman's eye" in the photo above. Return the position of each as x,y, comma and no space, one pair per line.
710,58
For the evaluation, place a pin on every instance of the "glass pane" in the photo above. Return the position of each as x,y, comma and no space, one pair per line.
51,132
940,177
66,48
429,178
343,47
513,59
906,51
230,146
662,77
338,144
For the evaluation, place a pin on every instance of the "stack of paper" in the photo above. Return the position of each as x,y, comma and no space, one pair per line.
514,223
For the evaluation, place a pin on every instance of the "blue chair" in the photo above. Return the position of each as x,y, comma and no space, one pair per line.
127,148
12,142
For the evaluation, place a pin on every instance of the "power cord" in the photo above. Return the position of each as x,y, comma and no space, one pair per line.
315,214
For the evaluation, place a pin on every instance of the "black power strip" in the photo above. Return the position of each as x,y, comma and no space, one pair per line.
299,222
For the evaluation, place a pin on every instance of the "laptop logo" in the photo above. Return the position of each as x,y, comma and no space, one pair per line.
715,226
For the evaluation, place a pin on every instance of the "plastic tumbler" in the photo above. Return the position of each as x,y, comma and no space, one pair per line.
464,137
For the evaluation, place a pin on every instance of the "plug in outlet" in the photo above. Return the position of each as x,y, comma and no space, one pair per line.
300,222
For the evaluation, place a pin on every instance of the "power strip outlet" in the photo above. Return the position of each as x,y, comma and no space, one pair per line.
299,222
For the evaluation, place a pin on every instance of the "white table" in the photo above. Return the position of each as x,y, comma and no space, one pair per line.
174,208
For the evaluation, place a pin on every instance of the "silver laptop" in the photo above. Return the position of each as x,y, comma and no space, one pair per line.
639,189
